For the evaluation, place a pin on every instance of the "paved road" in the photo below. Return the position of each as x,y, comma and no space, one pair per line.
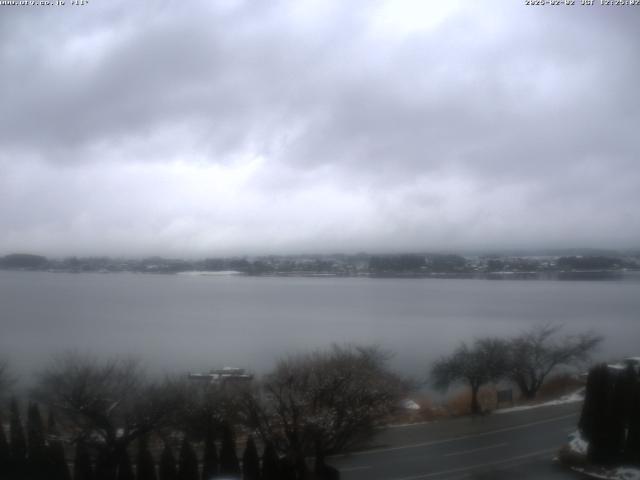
514,445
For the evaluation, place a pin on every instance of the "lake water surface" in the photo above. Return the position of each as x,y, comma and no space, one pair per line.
181,322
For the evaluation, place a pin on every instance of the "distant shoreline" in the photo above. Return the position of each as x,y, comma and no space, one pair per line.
406,266
596,275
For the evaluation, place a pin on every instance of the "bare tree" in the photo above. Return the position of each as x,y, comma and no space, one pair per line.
109,403
482,362
534,354
324,402
205,408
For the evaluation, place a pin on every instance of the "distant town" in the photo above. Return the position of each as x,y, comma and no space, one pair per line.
569,264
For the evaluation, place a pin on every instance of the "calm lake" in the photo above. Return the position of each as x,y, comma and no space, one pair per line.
190,323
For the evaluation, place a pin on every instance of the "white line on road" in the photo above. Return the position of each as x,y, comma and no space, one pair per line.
479,465
473,450
353,469
455,439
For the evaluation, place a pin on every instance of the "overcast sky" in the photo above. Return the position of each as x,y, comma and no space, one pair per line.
225,127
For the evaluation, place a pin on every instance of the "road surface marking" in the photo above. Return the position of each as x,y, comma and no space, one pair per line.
473,450
455,439
353,469
478,465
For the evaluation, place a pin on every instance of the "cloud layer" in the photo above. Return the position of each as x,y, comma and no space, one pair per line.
259,127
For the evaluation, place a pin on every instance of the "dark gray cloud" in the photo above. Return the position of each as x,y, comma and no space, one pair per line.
312,125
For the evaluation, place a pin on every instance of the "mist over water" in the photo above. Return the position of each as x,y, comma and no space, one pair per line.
179,323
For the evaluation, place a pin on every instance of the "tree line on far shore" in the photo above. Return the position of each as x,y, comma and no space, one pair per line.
337,264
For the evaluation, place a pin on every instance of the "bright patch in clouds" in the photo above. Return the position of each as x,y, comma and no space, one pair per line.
405,17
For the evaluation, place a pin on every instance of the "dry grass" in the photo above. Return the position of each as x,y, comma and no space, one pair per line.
460,403
427,412
559,385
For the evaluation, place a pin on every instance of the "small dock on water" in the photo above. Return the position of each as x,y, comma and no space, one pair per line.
222,376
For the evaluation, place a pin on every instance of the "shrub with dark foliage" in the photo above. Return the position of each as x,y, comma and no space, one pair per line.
82,467
146,465
610,419
188,468
250,461
210,459
632,447
168,470
57,460
270,463
125,470
36,446
229,464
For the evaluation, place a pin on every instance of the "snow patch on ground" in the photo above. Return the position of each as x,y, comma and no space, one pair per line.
619,473
577,443
628,473
576,396
409,404
617,366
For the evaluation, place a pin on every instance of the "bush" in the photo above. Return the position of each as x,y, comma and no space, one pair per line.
229,464
250,461
36,444
270,463
18,441
125,470
146,469
168,470
210,460
188,469
5,452
57,460
610,415
82,468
